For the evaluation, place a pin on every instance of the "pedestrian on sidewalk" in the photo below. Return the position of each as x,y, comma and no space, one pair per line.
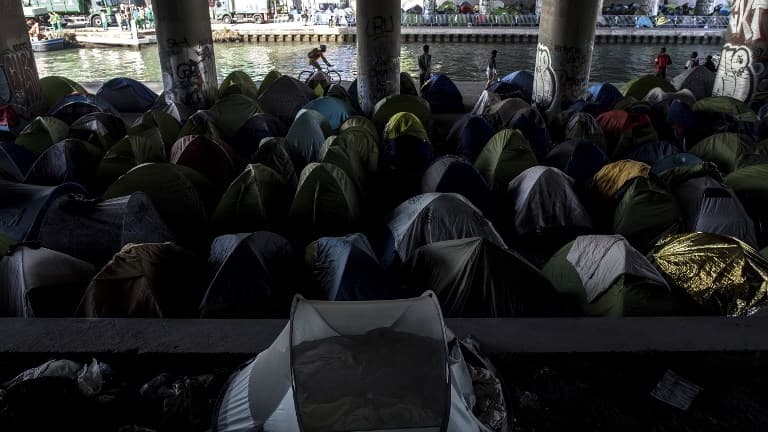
710,64
693,61
663,60
425,66
491,72
150,18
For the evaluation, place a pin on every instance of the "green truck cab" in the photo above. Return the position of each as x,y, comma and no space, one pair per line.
75,13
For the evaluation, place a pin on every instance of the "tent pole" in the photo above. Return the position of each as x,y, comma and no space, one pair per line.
19,80
564,53
186,52
378,51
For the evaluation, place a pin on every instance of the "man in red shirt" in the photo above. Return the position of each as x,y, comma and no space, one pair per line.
663,60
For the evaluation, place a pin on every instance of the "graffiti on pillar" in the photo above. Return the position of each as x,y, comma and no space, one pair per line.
705,7
572,78
545,79
383,72
193,66
380,26
18,76
748,21
735,76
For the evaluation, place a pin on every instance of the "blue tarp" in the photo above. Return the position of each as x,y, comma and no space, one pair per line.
346,269
473,137
453,174
605,95
443,95
673,161
308,133
127,95
533,126
335,110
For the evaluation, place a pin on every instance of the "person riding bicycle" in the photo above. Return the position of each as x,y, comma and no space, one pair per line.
315,55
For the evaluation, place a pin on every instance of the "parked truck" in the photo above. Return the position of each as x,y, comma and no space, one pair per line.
258,11
76,13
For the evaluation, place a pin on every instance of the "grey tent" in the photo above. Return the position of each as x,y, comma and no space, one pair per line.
285,97
39,282
605,276
699,80
251,276
95,230
500,113
101,129
387,366
150,280
430,218
347,269
70,160
544,200
277,154
23,206
474,277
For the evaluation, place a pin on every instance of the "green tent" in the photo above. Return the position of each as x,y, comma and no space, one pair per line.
326,203
721,274
583,126
350,161
42,133
362,122
404,123
724,150
474,277
144,146
726,105
181,195
391,105
282,157
500,113
100,129
238,82
360,141
55,88
230,113
271,77
169,127
646,212
201,123
117,161
604,276
257,200
505,156
639,87
763,253
751,186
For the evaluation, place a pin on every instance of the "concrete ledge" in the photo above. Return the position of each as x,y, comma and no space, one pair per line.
247,337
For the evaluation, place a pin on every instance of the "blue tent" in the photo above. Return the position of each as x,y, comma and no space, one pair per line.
72,107
251,276
644,21
70,160
259,126
308,133
534,128
15,161
453,174
407,154
579,159
23,206
443,95
605,95
674,161
652,152
335,110
346,269
681,115
127,95
521,81
473,136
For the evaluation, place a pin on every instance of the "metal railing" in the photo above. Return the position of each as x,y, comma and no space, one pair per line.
530,20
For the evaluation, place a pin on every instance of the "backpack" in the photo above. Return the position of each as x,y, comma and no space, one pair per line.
311,53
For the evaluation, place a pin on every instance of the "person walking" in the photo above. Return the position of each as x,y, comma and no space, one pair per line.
710,64
693,61
56,22
491,72
150,16
425,66
663,60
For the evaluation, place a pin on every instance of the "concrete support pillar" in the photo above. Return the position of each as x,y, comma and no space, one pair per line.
484,7
651,7
743,69
19,81
378,51
704,7
538,8
429,7
564,53
185,45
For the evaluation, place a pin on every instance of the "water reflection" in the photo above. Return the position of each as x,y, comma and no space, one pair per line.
463,62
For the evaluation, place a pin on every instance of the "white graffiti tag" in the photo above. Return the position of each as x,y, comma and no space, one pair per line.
735,77
746,19
545,80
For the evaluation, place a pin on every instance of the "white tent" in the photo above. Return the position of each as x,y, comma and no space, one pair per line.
380,366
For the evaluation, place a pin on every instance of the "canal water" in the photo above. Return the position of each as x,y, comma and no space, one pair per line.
461,62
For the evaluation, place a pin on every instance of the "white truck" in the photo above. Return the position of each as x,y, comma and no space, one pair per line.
258,11
76,13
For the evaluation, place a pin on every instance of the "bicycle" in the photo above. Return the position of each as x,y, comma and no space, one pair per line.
331,76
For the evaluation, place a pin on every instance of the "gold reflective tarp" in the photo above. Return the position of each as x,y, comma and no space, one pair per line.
612,177
720,273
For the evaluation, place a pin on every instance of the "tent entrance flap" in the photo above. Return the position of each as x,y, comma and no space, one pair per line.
387,371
